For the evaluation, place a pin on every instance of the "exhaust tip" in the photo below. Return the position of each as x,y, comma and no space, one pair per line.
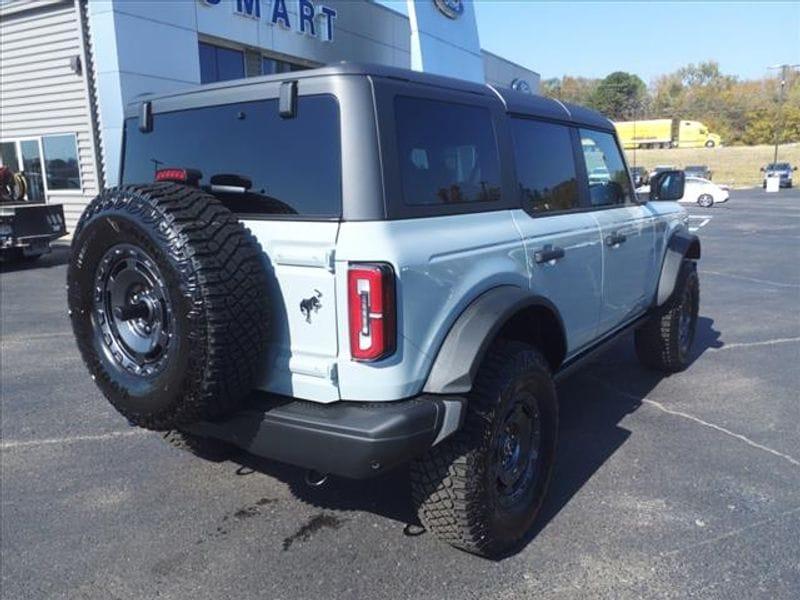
315,478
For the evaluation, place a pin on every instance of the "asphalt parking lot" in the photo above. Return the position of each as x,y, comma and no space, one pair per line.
686,486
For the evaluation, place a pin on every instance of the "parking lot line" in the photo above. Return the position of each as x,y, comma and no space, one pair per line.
751,344
752,279
70,440
704,220
21,339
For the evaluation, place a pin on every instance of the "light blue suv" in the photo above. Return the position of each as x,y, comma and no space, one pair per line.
355,267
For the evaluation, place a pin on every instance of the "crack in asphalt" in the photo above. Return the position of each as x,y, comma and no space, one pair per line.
743,438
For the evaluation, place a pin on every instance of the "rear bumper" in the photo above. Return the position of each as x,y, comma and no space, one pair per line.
351,439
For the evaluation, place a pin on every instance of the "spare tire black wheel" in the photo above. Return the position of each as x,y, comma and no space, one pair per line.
167,297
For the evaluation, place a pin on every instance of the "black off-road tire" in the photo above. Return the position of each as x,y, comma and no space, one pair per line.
659,344
455,487
214,283
206,448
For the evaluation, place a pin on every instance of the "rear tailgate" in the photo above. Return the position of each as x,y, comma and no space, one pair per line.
301,361
34,221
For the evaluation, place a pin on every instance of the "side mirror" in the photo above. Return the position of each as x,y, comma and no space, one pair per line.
794,168
667,186
761,169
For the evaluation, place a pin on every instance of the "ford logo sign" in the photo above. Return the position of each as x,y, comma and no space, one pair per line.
452,9
521,85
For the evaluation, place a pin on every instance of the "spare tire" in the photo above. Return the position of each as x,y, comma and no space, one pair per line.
167,294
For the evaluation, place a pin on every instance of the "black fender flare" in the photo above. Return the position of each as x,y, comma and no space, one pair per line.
469,338
681,245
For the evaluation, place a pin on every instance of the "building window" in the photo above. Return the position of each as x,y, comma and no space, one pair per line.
8,156
270,66
220,64
32,169
61,162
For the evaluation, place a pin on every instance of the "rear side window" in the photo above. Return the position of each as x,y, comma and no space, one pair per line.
448,152
545,166
253,160
609,183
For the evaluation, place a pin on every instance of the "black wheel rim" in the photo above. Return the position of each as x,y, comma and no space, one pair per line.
686,321
132,311
517,450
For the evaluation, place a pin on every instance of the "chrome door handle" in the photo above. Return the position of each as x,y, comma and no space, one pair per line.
548,253
615,239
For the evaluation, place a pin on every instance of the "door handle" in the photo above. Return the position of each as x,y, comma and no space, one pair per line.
615,239
548,253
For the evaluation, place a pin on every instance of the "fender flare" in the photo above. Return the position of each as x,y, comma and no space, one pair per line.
469,338
681,245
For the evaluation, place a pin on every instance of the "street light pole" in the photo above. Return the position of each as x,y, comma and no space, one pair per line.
779,122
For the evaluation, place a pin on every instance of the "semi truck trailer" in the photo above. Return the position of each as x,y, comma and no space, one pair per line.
666,133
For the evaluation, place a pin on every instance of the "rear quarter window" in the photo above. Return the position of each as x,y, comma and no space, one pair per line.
448,153
283,167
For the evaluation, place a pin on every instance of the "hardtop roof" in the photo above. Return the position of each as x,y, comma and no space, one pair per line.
515,102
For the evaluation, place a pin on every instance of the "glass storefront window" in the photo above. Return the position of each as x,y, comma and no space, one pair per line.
270,66
61,162
220,64
32,169
8,156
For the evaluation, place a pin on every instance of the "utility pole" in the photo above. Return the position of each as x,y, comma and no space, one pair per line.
779,121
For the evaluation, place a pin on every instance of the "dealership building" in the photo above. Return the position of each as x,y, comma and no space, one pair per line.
69,67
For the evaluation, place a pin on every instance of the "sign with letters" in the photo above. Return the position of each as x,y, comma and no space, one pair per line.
314,20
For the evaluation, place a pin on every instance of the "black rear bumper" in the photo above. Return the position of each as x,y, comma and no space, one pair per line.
351,439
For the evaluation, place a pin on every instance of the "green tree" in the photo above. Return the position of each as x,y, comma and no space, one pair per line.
620,96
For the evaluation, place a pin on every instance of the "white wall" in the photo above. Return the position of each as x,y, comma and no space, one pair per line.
445,46
41,94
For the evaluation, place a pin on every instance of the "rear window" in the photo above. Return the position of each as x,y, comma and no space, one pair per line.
448,152
252,159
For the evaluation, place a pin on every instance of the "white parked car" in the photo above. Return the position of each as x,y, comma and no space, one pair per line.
704,193
698,191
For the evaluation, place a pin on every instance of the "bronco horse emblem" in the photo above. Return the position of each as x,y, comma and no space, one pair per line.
311,304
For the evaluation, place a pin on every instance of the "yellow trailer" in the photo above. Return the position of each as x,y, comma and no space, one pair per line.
666,133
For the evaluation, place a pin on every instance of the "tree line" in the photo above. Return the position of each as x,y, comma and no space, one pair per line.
741,111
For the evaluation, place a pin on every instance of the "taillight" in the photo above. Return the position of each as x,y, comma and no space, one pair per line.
372,311
187,176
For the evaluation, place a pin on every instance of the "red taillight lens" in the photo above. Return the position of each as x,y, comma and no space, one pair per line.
372,311
187,176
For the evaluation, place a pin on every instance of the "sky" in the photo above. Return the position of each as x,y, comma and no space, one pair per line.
593,39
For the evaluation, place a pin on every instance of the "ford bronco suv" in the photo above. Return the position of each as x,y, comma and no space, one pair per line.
351,268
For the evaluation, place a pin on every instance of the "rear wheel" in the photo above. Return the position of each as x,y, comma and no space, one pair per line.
481,489
705,200
665,341
710,144
167,297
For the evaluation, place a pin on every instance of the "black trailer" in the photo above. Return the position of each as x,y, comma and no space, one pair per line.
27,229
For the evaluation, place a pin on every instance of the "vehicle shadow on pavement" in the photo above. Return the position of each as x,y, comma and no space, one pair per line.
58,256
593,402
